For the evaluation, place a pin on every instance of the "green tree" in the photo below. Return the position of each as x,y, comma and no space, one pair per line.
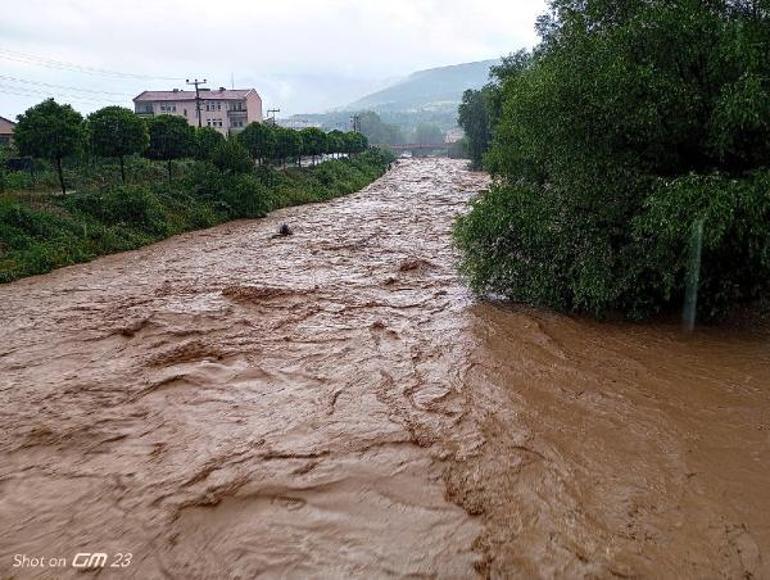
259,140
171,138
473,117
207,139
230,156
631,123
313,142
117,132
355,142
288,144
335,142
51,131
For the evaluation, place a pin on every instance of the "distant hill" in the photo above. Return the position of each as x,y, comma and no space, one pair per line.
436,89
425,97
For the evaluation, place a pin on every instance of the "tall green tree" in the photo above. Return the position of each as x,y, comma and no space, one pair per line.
313,142
207,139
355,142
230,156
335,142
259,140
288,144
171,138
473,117
50,131
117,132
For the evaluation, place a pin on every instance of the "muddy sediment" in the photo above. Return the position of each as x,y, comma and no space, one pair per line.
228,403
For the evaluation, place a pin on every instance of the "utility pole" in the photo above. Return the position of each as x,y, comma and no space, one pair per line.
273,111
356,123
197,83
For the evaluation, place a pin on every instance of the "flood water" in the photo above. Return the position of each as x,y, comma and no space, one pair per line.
232,404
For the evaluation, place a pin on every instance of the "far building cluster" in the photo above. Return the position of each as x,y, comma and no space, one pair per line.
226,110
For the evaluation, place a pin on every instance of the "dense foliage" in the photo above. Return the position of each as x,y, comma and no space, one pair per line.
631,123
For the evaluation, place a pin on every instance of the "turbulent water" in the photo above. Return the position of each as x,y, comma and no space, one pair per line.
231,403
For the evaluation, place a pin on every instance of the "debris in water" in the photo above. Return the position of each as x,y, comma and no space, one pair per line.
285,230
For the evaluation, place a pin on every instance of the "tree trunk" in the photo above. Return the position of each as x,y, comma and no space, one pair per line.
122,170
61,176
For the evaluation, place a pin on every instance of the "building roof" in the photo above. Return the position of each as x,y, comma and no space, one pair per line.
8,121
218,94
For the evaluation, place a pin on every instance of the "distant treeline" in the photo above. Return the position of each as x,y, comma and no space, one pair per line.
629,130
391,128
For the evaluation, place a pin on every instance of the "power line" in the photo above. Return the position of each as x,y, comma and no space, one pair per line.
28,58
53,86
25,92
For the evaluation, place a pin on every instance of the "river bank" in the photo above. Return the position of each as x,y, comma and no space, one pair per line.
336,403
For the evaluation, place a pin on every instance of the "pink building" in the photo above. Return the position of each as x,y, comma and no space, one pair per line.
226,110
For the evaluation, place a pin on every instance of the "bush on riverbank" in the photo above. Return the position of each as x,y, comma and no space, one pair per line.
41,232
627,127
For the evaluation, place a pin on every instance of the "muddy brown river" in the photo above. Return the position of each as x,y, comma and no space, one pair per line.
333,404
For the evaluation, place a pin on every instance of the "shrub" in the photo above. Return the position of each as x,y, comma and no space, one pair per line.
132,205
229,156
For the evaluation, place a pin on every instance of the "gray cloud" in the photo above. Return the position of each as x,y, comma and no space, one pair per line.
302,55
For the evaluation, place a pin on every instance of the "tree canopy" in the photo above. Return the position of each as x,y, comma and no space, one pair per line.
627,126
259,139
51,131
313,142
207,139
117,132
230,156
171,138
288,144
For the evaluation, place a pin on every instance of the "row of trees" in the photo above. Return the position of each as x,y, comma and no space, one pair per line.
633,132
55,132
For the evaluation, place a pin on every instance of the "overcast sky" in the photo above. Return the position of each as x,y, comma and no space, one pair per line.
301,55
